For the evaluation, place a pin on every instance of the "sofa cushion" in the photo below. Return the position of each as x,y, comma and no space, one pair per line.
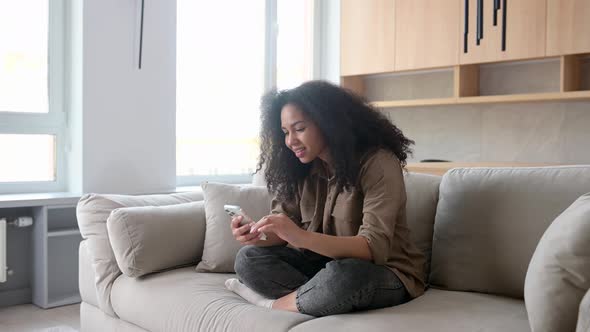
93,319
183,300
92,213
147,239
436,310
559,272
489,221
584,314
86,275
422,197
219,253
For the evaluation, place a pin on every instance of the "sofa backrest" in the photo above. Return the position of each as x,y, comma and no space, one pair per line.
422,198
92,212
489,221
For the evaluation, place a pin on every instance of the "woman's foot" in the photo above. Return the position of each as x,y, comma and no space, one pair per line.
249,295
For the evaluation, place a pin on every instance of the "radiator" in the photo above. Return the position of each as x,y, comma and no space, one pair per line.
3,250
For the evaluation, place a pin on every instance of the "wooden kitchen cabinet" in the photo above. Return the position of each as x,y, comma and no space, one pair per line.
568,27
427,33
367,37
525,31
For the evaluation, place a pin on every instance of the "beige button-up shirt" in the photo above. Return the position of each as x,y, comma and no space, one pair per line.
374,208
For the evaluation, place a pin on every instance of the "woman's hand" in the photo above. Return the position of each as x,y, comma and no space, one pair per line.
242,233
282,226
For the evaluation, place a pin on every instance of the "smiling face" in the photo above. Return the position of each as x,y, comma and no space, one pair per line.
302,135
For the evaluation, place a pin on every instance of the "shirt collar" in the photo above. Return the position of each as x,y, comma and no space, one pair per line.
319,168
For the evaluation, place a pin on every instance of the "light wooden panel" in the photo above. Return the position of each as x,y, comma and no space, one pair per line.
354,83
367,37
525,32
516,98
466,80
569,79
427,33
568,26
441,168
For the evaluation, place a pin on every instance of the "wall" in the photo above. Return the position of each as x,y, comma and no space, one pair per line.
125,119
540,132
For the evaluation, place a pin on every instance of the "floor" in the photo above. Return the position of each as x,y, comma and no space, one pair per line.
30,318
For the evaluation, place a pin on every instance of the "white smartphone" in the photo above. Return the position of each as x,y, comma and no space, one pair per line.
235,210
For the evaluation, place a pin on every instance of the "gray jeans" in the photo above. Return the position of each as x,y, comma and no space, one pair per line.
325,286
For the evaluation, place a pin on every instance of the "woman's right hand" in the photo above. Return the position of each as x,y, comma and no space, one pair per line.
242,233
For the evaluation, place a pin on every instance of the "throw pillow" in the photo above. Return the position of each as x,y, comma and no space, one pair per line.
219,253
148,239
559,272
584,314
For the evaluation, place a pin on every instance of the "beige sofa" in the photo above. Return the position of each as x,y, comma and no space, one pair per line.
479,228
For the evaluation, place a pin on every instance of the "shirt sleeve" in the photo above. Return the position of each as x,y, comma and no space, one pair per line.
381,181
290,209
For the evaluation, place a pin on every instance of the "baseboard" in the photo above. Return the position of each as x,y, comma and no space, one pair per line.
16,296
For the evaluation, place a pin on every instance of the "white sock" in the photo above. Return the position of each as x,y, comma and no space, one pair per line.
249,295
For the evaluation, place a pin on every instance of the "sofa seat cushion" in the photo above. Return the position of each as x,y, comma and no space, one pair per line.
436,310
185,300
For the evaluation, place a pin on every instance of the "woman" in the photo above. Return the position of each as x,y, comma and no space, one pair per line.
335,165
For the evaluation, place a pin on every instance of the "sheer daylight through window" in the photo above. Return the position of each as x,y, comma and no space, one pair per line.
222,60
32,116
220,78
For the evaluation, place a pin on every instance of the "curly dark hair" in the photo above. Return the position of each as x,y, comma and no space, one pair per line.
350,125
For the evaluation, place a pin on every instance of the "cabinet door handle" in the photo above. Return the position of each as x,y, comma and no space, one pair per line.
480,6
141,35
466,28
504,14
496,7
477,24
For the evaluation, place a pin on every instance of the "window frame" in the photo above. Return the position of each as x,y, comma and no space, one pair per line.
270,75
54,122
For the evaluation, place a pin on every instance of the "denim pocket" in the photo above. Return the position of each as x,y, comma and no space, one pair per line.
388,296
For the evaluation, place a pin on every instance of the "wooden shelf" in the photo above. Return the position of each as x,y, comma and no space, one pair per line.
442,167
516,98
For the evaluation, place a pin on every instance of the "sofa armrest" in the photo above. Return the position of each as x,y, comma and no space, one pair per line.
86,275
92,213
584,314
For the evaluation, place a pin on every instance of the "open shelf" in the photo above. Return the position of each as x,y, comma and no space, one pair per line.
56,240
567,83
516,98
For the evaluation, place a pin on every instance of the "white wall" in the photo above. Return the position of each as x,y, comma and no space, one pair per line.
126,117
330,40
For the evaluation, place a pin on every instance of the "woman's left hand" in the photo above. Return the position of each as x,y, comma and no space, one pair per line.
282,226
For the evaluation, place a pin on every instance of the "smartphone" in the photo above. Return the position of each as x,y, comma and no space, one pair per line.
235,210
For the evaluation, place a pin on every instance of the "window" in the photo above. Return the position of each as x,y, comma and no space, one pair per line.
32,119
229,53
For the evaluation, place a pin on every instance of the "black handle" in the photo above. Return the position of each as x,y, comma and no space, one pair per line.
478,23
504,14
141,34
496,7
480,6
466,28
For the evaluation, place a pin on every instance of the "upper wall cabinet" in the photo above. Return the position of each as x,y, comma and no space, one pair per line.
568,26
427,33
367,37
521,24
